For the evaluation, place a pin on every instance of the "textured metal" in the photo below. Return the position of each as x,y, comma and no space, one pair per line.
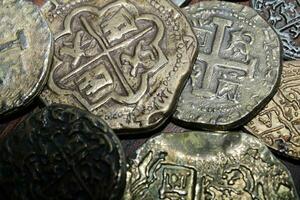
206,165
25,54
284,16
125,61
62,153
181,2
278,124
237,70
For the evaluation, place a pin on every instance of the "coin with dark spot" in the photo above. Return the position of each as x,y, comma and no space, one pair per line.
62,152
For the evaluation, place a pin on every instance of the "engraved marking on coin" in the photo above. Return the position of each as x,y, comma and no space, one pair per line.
19,42
119,55
237,68
202,165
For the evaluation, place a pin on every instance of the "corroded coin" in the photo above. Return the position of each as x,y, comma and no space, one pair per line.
25,53
62,153
237,69
125,61
284,16
278,124
202,165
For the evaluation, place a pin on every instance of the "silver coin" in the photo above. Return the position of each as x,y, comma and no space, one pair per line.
284,16
237,69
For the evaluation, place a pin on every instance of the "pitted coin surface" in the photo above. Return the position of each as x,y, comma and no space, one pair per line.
62,153
202,165
237,69
25,54
284,16
278,124
125,61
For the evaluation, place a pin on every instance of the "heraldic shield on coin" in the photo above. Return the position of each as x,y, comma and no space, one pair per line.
284,16
25,54
206,165
125,61
62,152
278,124
237,69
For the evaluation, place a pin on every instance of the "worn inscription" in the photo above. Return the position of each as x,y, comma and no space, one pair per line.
238,54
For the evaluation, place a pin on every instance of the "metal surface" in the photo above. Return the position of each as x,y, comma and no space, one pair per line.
206,165
284,16
237,70
25,54
278,124
125,61
181,2
62,153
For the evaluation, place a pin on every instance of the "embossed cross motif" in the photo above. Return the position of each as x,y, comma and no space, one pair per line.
216,65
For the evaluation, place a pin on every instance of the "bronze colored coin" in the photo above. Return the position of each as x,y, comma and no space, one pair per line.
283,16
62,152
125,61
25,54
207,165
237,70
278,124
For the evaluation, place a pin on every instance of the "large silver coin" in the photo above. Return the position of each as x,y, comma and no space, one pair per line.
284,16
237,69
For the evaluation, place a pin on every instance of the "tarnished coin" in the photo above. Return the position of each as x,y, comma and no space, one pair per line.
278,124
62,153
237,69
202,165
25,54
125,61
284,16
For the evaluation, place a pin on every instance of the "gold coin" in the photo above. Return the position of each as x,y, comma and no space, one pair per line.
125,61
207,165
278,124
25,54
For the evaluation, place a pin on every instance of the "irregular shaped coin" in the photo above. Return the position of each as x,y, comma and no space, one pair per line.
237,70
284,16
278,124
125,61
25,54
206,165
62,153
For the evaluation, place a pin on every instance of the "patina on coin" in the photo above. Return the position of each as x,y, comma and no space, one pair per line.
278,124
62,153
284,16
207,165
237,70
25,54
125,61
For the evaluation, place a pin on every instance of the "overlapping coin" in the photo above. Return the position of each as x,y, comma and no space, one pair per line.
125,61
237,70
278,124
206,165
25,54
284,16
62,152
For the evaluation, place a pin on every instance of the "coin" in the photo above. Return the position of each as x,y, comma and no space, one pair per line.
62,153
237,69
284,17
207,165
277,125
25,54
125,61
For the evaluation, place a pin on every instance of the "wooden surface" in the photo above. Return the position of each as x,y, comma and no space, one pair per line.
131,143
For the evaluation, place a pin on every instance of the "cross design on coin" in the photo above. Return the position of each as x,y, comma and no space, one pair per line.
214,56
19,42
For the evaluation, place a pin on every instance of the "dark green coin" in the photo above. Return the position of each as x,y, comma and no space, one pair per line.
62,152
